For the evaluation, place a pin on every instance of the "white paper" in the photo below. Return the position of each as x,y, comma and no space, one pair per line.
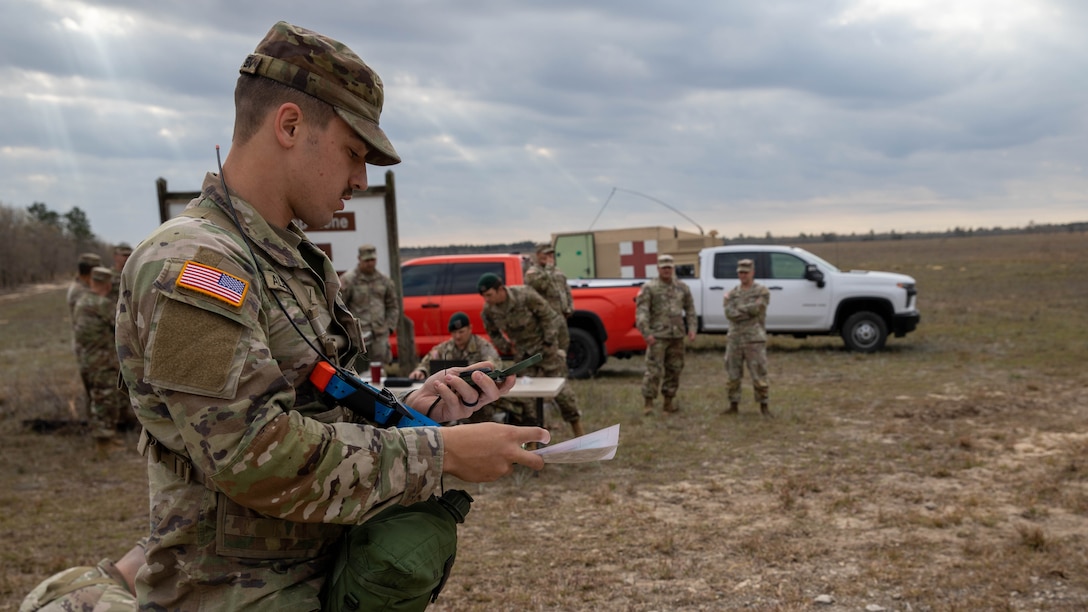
597,446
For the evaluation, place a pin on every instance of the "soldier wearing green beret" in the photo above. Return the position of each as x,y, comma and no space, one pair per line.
521,323
226,309
464,345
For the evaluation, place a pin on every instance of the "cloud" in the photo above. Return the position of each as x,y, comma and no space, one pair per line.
516,120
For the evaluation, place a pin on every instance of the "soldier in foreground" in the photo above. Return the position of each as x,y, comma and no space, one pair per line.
746,308
551,284
372,298
226,309
522,324
664,315
94,334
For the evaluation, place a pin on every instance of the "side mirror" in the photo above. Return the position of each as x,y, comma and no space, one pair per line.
814,274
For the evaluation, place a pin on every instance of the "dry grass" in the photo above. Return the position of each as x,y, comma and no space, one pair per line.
949,472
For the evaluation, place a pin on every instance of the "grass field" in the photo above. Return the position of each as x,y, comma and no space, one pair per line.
948,472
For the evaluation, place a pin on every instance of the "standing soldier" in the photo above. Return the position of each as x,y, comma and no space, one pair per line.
372,298
80,286
664,314
464,345
121,254
94,333
82,282
521,323
551,284
746,308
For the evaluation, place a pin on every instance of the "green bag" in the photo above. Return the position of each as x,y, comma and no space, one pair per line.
400,559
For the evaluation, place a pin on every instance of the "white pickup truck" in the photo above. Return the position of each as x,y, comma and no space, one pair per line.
809,296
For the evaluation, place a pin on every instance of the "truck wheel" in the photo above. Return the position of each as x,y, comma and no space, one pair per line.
583,355
864,332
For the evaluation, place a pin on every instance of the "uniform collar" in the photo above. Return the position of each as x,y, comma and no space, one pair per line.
280,245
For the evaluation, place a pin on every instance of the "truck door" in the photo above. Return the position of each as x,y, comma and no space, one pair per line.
423,296
796,303
461,295
721,278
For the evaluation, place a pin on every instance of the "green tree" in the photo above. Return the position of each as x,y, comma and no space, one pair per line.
41,212
78,225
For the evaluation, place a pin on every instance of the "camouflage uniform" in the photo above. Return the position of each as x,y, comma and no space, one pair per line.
665,311
746,310
94,334
372,298
477,349
551,284
76,289
82,589
220,376
524,325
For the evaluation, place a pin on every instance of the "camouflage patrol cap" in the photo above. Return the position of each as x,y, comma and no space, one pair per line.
122,249
368,251
544,249
458,320
101,274
329,71
746,264
488,281
89,259
665,261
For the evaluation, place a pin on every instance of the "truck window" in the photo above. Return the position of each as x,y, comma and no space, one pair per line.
465,276
786,266
420,281
725,264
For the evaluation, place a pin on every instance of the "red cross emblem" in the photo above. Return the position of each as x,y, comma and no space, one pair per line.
638,259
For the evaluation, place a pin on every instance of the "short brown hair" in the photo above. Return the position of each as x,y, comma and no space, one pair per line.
255,97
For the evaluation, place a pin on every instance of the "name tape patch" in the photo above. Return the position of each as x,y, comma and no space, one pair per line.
213,282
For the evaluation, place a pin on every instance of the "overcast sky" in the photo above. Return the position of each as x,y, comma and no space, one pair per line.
518,119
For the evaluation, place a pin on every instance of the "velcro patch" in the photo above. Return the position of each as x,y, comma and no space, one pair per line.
213,282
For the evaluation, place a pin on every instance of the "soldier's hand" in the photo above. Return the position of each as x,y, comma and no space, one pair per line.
446,397
561,353
482,452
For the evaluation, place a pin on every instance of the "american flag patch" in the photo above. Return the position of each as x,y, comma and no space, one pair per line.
213,282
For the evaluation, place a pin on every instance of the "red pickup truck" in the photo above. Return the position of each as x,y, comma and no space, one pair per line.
603,323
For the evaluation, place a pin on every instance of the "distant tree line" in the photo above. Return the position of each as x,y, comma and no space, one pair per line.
956,232
524,247
39,245
527,246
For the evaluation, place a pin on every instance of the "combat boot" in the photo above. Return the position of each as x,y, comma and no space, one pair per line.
670,406
765,411
576,427
733,408
648,408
